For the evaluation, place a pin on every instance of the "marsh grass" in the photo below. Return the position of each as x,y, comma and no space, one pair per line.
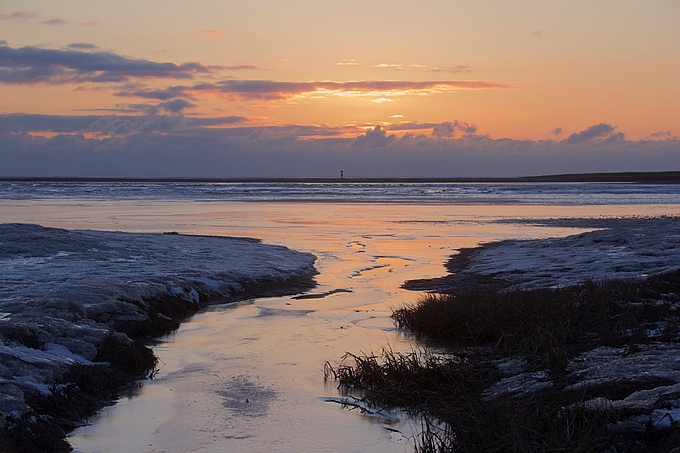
446,392
545,328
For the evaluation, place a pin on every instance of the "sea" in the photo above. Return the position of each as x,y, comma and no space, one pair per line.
249,376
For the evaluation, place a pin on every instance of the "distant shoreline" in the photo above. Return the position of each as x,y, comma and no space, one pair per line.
665,177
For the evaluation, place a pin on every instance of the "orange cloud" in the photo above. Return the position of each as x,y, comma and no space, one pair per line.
452,69
213,32
347,62
273,90
396,67
269,90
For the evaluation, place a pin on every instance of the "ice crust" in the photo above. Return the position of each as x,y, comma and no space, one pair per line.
63,290
631,251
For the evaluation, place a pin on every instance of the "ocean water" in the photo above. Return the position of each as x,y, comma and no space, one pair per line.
397,192
248,377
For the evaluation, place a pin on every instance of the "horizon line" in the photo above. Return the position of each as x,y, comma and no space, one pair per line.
664,177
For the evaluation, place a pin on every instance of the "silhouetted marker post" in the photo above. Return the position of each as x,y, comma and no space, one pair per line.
342,174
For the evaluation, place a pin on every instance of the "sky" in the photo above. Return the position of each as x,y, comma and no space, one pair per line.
277,88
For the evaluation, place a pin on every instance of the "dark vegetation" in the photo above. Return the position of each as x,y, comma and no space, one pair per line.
545,328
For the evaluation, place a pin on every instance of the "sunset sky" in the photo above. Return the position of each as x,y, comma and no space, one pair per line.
306,88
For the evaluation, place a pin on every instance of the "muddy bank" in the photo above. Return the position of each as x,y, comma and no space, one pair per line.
75,307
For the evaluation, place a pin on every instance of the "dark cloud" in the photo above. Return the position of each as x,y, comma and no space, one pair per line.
662,134
114,125
173,107
439,130
141,109
376,138
557,131
176,106
175,145
410,126
444,130
168,145
82,46
56,21
84,62
291,133
258,89
19,15
240,67
617,137
597,131
29,65
448,129
162,94
131,125
200,122
21,123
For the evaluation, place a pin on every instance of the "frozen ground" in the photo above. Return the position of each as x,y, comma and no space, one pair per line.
627,248
61,292
630,249
634,249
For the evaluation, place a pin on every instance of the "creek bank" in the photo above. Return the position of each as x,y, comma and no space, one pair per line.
76,307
